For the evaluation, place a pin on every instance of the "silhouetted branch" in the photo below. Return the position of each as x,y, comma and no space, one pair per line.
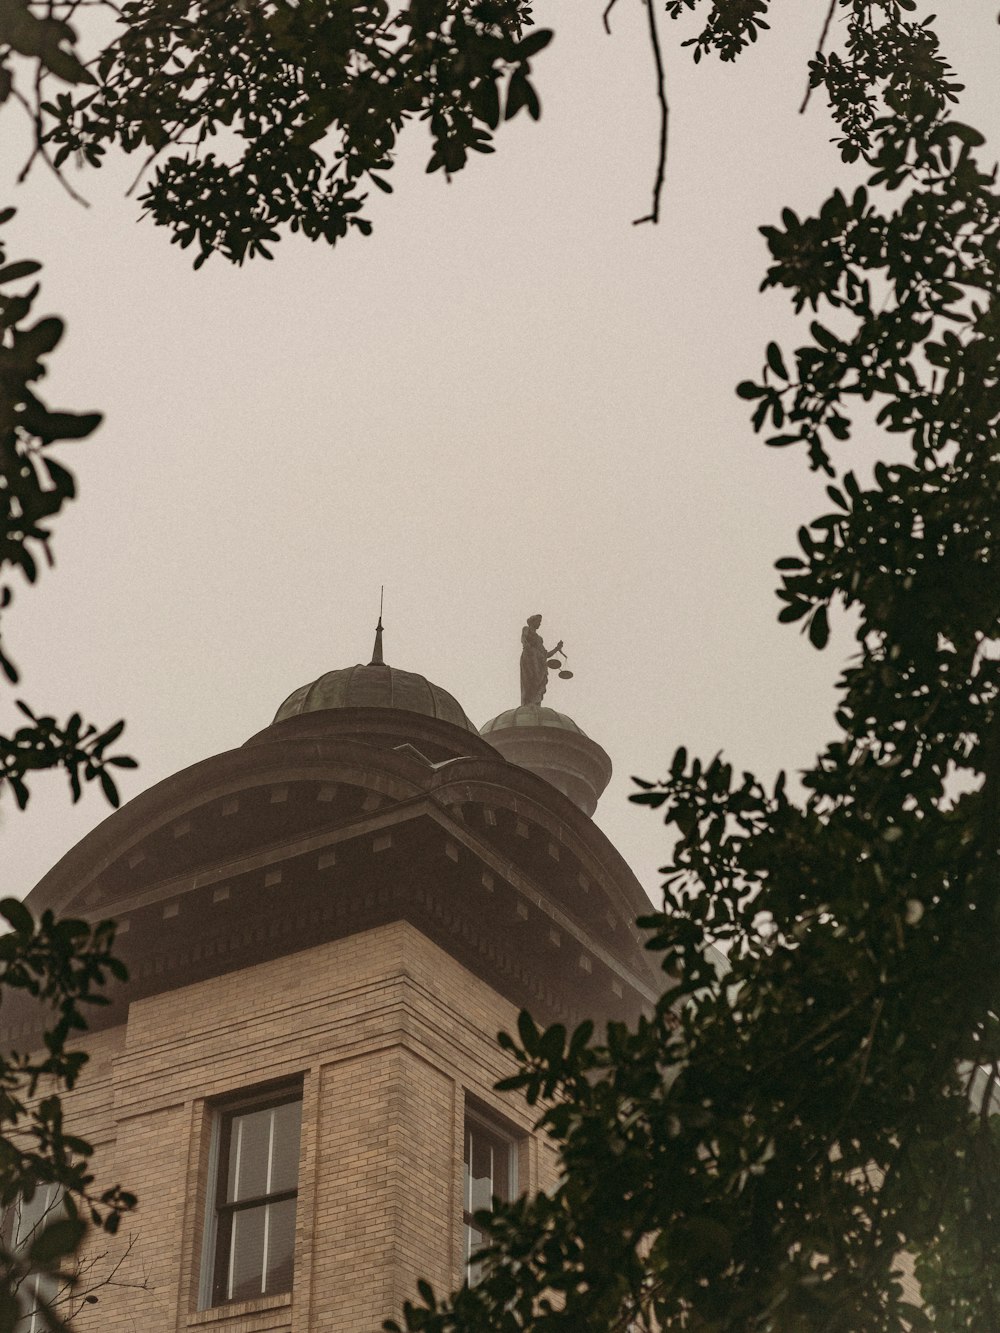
607,16
661,93
38,150
88,1281
142,170
59,1296
819,50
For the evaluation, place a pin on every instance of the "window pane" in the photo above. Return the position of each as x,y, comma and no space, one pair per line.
280,1245
26,1215
254,1243
249,1139
487,1167
480,1171
39,1285
473,1241
285,1148
22,1223
489,1174
246,1255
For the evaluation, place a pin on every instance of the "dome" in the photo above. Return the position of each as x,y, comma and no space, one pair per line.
375,686
551,745
530,715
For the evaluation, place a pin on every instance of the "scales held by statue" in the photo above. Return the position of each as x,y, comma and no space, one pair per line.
554,664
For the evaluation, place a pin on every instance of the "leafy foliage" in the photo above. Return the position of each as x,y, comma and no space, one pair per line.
42,36
34,486
285,112
64,966
884,58
759,1152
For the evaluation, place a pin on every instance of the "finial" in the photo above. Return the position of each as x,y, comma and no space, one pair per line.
537,661
377,659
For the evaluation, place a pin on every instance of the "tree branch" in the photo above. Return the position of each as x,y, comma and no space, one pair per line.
39,151
866,1055
661,93
819,50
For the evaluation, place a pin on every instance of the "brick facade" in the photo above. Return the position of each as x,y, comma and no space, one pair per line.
389,1036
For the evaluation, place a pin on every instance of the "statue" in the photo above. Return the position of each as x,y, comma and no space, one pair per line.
535,662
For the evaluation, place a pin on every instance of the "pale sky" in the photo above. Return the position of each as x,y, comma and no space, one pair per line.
506,400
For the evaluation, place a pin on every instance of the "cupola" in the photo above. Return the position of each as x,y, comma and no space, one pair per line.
375,685
548,743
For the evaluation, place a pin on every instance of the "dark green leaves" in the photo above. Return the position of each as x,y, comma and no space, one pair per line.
52,426
728,30
522,94
34,488
42,38
17,915
527,1031
819,628
74,746
536,40
775,361
22,269
63,966
759,1152
57,1240
339,85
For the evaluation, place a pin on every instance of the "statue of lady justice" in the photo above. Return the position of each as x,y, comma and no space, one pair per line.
534,662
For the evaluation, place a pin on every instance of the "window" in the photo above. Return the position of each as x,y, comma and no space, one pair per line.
490,1173
23,1221
252,1234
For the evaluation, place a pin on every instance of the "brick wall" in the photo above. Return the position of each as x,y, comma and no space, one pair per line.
388,1035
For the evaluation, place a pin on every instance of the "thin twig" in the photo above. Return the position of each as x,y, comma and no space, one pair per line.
661,93
35,115
78,198
816,1032
819,51
78,1297
148,163
859,1082
39,151
35,152
607,16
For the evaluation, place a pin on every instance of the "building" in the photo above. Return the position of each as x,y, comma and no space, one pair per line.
325,929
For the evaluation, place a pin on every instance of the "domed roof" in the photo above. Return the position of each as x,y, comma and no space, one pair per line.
530,715
551,745
375,686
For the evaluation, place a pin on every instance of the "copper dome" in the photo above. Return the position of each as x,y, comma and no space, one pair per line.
375,686
530,715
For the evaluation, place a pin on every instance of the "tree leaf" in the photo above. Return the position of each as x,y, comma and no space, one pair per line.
56,1241
17,915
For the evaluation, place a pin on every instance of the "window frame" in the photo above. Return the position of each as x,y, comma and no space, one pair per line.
30,1319
214,1277
497,1128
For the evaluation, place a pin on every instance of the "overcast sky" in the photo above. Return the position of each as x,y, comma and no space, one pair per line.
506,400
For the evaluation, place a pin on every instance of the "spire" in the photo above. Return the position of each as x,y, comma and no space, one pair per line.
377,659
